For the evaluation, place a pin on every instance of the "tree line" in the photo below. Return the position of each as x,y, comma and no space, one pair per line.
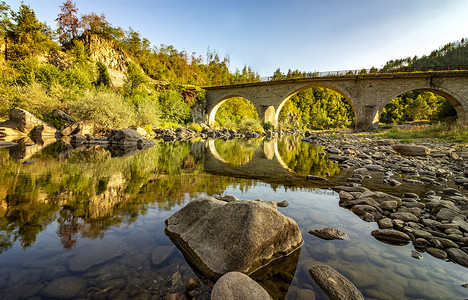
45,69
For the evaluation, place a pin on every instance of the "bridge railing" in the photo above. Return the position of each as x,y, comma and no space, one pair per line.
372,71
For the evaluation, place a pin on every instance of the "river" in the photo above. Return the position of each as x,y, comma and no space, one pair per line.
88,223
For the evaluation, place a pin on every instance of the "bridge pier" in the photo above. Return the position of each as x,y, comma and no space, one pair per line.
366,117
266,113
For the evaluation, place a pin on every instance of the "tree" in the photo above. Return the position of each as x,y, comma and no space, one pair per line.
4,18
103,75
92,23
67,22
26,33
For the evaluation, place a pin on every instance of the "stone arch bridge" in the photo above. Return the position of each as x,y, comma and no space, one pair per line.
367,94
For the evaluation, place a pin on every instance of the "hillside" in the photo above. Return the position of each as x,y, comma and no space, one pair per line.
113,77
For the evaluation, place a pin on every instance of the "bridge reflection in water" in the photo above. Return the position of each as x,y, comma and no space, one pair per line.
281,160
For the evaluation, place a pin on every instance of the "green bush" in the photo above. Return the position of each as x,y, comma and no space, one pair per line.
195,127
147,112
251,125
104,108
78,78
173,107
268,126
103,77
34,98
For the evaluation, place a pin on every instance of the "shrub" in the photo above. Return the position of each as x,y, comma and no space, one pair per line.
173,107
251,125
34,98
78,78
104,108
194,127
103,75
268,126
147,112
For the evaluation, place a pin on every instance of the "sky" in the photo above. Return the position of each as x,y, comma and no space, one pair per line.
308,35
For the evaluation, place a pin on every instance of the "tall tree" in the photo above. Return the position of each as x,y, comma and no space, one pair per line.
26,33
67,22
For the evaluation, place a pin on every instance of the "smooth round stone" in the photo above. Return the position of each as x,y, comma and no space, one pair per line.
64,288
389,205
436,252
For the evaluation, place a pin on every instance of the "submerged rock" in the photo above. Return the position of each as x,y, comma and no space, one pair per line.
64,288
241,236
335,285
237,286
329,234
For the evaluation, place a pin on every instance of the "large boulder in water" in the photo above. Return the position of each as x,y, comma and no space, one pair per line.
221,237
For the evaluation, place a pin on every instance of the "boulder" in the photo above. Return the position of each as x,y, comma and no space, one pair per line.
411,150
124,136
242,235
335,285
329,234
81,127
129,137
237,286
22,122
63,115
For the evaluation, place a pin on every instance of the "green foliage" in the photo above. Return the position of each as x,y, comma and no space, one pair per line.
26,33
105,108
77,51
316,108
268,126
253,125
173,107
451,55
194,127
234,111
147,108
135,78
442,131
415,106
103,75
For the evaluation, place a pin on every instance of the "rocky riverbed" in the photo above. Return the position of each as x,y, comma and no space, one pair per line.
415,192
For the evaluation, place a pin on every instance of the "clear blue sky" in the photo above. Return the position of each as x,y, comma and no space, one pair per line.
308,35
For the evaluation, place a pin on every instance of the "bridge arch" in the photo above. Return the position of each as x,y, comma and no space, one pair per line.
455,100
212,112
343,93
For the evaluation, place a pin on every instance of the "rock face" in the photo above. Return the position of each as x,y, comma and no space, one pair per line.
240,236
335,285
22,123
411,150
237,286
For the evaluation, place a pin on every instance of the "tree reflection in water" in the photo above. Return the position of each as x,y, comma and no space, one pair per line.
88,191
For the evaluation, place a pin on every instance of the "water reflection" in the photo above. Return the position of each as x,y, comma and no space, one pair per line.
87,190
72,198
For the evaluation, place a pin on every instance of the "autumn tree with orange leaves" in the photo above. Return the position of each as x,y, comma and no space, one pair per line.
67,22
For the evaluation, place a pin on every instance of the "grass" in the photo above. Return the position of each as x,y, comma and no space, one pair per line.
441,131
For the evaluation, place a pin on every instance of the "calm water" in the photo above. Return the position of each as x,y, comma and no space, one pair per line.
94,218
